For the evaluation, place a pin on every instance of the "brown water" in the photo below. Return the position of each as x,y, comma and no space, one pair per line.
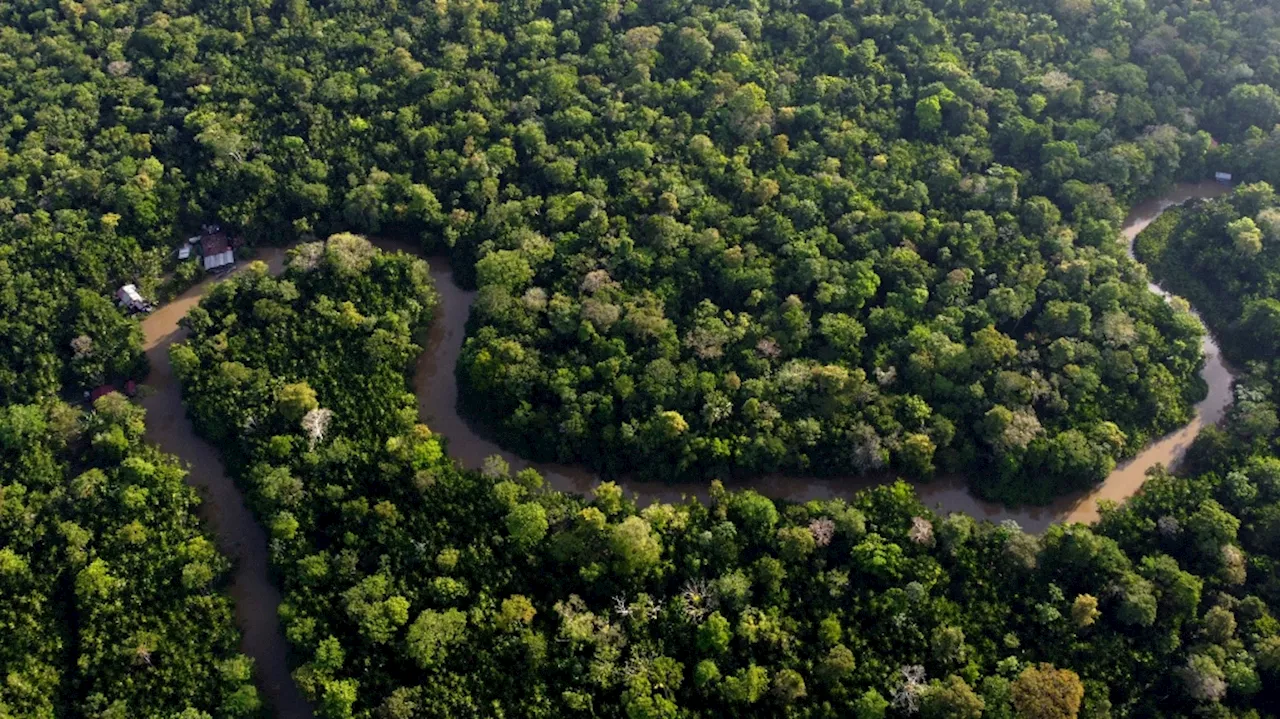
437,392
238,535
243,540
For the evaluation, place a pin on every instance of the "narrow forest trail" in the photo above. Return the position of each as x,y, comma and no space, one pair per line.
239,537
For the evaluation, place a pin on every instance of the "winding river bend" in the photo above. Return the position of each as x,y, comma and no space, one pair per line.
241,538
437,392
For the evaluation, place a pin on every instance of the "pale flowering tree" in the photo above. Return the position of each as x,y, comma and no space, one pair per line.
316,423
907,697
1118,329
535,299
1203,679
1168,526
1269,222
620,606
866,448
1233,564
696,598
1055,81
1022,548
974,184
921,531
82,346
595,281
1103,102
494,467
716,408
306,257
822,530
707,342
600,314
768,347
653,607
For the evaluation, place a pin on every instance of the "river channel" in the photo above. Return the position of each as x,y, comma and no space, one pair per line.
240,537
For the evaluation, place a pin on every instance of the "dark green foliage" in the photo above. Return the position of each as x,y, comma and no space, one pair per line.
712,238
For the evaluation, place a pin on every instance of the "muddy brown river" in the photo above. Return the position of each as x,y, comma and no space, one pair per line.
240,538
223,509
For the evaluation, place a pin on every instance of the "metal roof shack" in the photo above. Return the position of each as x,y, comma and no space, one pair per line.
215,248
132,300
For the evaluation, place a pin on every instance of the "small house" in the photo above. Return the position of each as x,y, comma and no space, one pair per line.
184,252
215,249
132,300
1223,177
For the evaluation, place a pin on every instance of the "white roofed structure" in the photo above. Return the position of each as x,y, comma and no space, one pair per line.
130,298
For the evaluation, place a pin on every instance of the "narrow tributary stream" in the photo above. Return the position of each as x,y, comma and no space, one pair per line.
244,541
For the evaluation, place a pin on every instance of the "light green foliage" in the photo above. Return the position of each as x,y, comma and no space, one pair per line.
113,542
527,524
951,698
715,634
636,548
870,705
295,400
746,686
432,634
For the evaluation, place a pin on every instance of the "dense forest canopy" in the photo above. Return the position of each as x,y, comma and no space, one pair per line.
108,585
416,589
1223,256
711,238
